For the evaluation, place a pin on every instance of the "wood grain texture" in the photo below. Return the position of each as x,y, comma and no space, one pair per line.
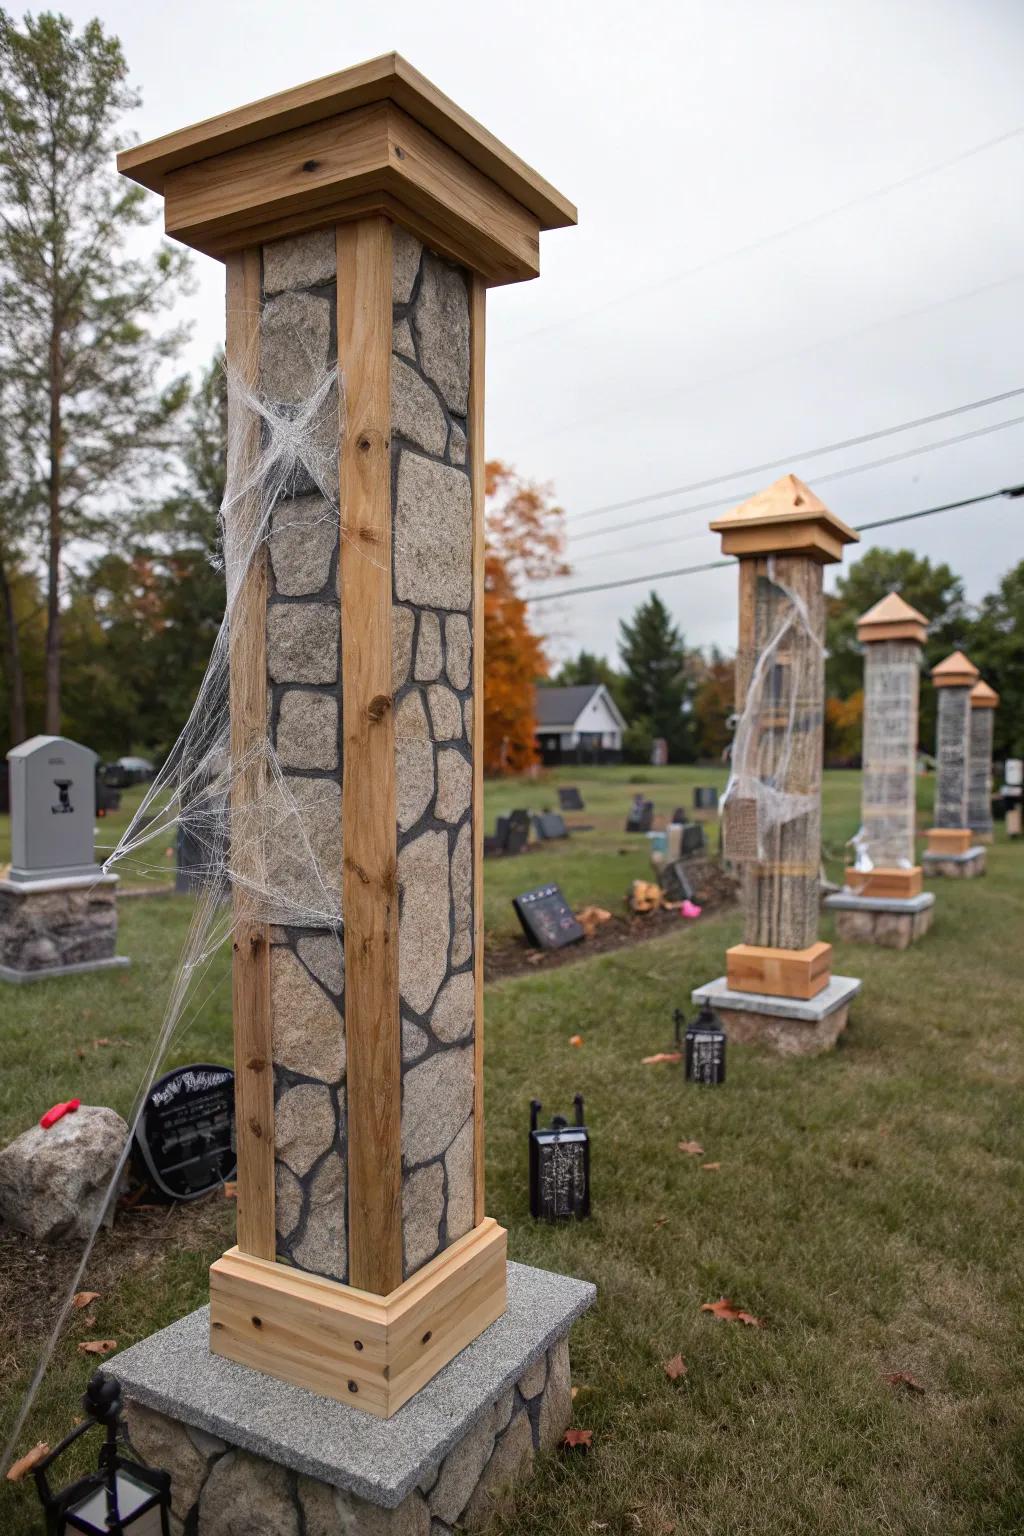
387,78
369,826
477,465
372,1352
779,972
889,884
250,967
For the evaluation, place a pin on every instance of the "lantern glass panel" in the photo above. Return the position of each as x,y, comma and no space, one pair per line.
138,1506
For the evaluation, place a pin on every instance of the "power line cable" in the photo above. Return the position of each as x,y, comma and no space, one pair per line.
714,565
835,474
789,458
780,234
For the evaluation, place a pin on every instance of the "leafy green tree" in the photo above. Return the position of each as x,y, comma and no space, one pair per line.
586,669
657,685
995,644
80,364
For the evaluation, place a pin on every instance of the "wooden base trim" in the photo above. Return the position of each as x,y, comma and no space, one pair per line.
887,884
799,973
950,839
372,1352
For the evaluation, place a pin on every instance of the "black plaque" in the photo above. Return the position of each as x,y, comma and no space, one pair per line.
549,826
641,815
546,918
559,1167
184,1142
570,799
704,1046
705,798
675,882
692,841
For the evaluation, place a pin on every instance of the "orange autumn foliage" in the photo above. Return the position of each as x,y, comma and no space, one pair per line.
525,541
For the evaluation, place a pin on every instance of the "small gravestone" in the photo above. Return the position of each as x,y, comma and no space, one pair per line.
675,882
692,841
184,1143
570,799
641,815
705,798
549,826
58,910
547,918
559,1167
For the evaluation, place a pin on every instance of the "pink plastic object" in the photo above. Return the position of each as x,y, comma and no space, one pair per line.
690,909
58,1112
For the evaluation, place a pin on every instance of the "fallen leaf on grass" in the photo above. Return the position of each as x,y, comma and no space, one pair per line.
591,919
84,1298
16,1471
711,1167
675,1367
650,1061
230,1189
575,1039
98,1346
726,1311
661,1221
904,1379
691,1148
535,957
573,1393
102,1041
577,1439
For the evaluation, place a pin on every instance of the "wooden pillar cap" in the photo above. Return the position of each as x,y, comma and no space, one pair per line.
376,138
955,672
892,619
984,697
784,519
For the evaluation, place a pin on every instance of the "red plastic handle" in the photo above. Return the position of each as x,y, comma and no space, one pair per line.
58,1112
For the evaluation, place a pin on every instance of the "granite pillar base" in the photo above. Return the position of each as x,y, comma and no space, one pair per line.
58,927
786,1025
249,1454
956,866
891,923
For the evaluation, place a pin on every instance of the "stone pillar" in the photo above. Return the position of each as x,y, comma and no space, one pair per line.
951,849
778,984
883,902
361,220
984,703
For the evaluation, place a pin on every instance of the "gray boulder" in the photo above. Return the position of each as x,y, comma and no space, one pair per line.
53,1183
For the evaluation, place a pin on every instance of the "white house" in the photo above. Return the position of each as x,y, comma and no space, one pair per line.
579,725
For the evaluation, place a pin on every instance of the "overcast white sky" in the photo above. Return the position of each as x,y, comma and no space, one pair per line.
654,350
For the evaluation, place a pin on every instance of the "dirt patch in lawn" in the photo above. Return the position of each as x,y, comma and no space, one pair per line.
713,888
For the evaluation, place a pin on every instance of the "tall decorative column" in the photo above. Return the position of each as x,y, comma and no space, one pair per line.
883,901
952,850
361,219
778,985
984,703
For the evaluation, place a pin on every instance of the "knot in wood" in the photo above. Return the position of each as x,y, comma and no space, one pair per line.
311,165
378,706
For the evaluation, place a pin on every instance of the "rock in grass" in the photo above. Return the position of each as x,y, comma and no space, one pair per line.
53,1184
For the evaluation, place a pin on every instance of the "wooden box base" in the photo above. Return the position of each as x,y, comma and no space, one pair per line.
950,839
800,973
887,884
373,1352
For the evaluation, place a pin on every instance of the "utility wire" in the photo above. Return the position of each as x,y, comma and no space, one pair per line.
780,234
835,474
715,565
789,458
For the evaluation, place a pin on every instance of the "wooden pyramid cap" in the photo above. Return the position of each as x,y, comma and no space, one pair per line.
785,519
892,619
955,672
984,697
377,138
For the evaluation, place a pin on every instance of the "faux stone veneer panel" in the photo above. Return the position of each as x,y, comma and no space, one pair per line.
432,677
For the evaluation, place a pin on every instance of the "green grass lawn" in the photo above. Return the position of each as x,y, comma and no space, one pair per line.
869,1208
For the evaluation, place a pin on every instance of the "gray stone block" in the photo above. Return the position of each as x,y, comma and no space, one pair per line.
406,254
428,648
309,1033
789,1026
424,923
304,261
454,786
458,648
303,538
440,322
433,534
416,413
437,1099
307,730
302,642
174,1373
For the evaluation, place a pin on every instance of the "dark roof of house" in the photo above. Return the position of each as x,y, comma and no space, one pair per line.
560,708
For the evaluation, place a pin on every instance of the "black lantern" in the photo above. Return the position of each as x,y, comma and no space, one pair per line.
559,1167
121,1498
704,1046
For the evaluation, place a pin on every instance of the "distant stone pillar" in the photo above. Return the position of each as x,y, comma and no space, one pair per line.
883,902
950,842
778,984
361,219
984,703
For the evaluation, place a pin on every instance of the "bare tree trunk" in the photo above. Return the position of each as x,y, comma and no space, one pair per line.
13,665
53,635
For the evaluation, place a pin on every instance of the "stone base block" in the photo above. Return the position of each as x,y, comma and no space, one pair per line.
956,866
57,927
252,1456
787,1025
894,924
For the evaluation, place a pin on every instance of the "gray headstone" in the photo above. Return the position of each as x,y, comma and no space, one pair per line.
53,809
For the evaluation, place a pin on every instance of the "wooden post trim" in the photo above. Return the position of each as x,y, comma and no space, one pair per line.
478,345
369,822
250,966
